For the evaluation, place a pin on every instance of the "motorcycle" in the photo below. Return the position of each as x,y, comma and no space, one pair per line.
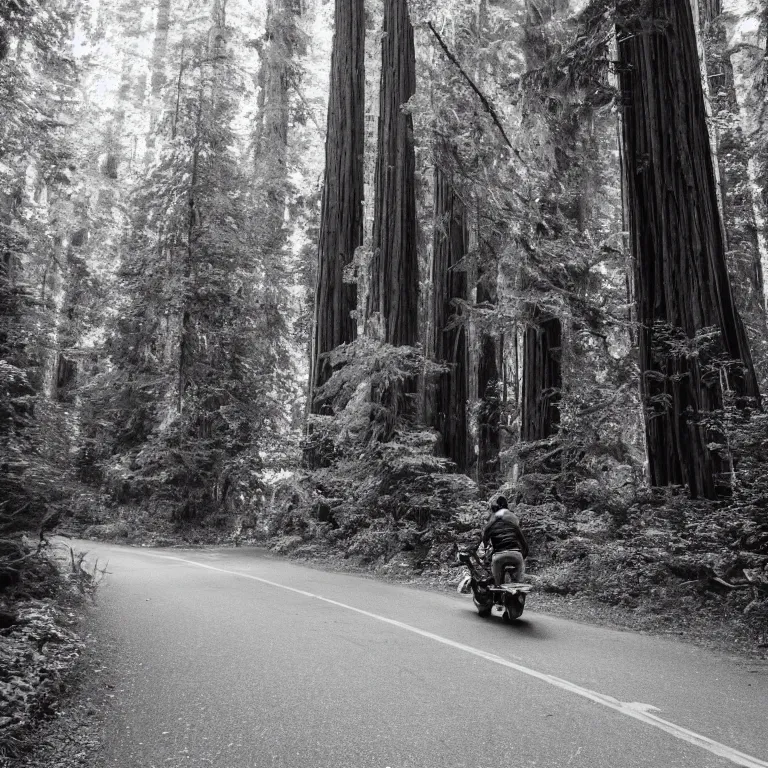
507,601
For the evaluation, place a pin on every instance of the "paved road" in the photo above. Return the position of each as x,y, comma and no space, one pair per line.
234,659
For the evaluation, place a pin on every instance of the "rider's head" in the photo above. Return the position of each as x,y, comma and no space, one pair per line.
497,503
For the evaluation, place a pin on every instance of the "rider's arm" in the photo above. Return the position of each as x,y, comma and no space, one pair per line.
486,534
523,542
485,539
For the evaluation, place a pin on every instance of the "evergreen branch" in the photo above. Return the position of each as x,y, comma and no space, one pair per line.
488,107
309,109
604,403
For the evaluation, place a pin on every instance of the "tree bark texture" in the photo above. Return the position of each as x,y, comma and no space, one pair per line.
394,286
677,243
341,215
488,385
733,160
449,334
282,41
541,378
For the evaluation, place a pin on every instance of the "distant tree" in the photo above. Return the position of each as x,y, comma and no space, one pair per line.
449,343
735,175
281,44
542,338
158,67
489,374
197,349
38,80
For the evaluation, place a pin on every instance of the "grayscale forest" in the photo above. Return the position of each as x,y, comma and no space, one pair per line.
323,276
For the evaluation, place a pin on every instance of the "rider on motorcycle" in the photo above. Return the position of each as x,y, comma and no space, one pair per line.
507,539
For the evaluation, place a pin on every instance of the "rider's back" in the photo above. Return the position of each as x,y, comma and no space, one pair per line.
504,532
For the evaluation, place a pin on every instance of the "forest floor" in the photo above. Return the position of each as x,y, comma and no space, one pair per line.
41,645
73,739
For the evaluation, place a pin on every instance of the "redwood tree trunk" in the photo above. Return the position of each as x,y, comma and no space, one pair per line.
450,343
393,298
341,216
281,39
541,378
394,288
488,378
733,155
682,284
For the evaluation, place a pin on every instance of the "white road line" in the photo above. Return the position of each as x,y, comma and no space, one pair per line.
630,709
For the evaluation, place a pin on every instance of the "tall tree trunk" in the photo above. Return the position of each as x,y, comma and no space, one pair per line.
488,384
542,379
393,296
741,237
449,333
394,285
341,214
677,242
283,42
747,55
158,75
484,363
186,327
281,39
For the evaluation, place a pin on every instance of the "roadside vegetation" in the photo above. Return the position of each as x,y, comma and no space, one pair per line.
41,615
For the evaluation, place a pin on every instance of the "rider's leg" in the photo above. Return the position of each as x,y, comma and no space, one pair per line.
502,560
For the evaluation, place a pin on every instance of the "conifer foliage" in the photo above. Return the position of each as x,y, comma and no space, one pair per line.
193,386
38,80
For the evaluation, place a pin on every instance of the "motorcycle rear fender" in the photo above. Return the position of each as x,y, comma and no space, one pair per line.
514,589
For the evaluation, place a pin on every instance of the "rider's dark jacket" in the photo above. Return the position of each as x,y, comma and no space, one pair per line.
504,534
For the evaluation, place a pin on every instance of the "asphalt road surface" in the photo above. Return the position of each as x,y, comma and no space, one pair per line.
234,659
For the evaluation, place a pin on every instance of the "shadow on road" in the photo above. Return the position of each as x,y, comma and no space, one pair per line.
525,627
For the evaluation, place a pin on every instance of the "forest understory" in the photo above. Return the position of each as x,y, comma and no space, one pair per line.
41,643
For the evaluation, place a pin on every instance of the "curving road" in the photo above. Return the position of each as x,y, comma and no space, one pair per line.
234,659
